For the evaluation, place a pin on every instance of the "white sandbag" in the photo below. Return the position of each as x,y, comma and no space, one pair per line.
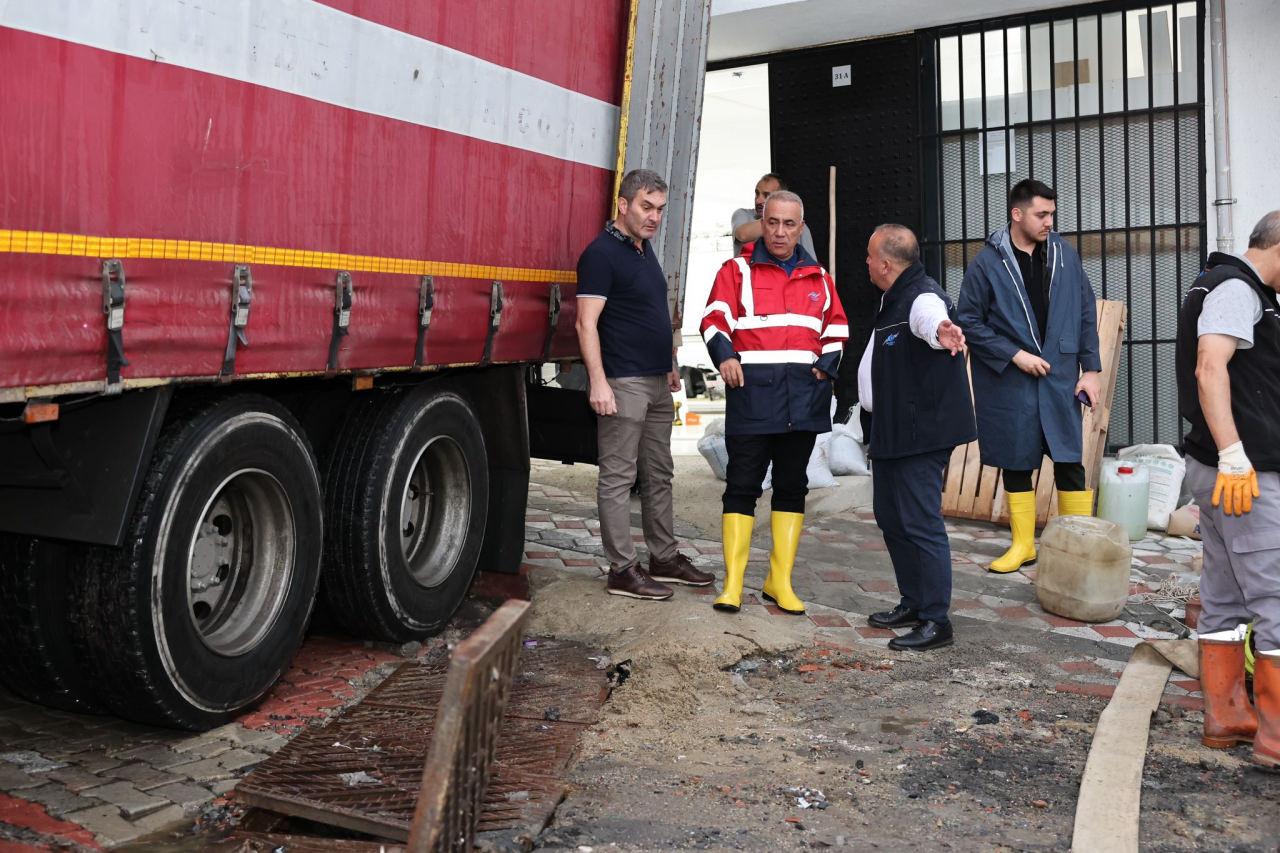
818,471
715,426
844,453
1185,521
712,448
854,424
1165,469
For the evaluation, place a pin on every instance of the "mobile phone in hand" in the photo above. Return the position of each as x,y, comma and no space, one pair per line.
1083,399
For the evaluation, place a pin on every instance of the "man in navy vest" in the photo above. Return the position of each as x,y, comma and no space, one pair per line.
912,380
1029,312
1228,360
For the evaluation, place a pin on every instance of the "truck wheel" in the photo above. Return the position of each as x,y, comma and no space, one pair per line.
199,613
39,662
407,493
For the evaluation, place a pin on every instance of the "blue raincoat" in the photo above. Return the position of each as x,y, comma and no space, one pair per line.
1015,409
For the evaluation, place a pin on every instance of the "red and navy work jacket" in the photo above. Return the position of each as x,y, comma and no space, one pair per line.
780,327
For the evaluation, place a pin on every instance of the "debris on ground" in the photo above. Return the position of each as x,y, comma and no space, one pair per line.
807,798
359,777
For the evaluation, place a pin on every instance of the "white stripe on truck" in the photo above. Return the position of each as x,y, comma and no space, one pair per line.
308,49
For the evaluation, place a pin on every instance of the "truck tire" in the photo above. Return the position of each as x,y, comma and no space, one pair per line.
406,499
193,620
40,663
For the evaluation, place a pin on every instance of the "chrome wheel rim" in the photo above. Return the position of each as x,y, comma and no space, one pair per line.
435,506
240,562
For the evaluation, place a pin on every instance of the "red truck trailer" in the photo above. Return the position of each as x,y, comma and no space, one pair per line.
275,282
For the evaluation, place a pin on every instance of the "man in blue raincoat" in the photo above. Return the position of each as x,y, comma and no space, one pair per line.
1029,315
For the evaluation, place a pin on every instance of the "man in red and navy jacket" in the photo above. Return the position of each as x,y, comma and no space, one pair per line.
775,327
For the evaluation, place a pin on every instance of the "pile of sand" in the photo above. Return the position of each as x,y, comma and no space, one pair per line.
678,648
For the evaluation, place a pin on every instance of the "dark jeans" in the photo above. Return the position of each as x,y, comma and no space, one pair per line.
749,458
908,507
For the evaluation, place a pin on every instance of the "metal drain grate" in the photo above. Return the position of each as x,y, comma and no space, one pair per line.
363,770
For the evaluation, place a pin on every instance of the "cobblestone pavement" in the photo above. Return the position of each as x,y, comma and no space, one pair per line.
80,782
844,573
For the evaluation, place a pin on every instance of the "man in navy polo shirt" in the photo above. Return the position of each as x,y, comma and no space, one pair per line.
624,332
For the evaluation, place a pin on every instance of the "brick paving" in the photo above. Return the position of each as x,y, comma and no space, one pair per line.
843,573
68,780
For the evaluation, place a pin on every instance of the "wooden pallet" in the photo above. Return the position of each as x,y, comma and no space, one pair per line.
973,490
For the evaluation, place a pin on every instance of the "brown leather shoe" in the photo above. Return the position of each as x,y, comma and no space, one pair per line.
634,582
679,569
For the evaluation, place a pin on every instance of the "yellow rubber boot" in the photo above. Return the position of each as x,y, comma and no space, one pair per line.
1022,523
1075,503
736,535
786,541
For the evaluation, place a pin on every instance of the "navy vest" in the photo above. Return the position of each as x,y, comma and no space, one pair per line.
1254,373
921,394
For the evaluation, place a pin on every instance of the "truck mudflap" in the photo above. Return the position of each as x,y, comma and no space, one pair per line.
562,426
77,478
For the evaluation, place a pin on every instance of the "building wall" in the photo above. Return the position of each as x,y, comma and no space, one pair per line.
1253,99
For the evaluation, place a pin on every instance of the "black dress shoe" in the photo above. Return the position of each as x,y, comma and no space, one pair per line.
901,616
925,636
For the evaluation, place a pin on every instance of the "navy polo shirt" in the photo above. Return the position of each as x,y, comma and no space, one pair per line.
635,325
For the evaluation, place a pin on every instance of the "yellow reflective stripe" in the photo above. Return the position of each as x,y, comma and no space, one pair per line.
79,245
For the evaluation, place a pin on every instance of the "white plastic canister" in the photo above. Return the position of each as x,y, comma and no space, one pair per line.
1122,497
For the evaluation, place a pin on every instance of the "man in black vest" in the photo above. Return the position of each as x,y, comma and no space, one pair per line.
912,380
1228,361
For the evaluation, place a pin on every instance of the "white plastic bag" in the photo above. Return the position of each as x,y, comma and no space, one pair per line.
844,452
712,448
1165,469
715,426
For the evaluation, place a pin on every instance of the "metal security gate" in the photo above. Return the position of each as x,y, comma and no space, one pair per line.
1104,103
867,131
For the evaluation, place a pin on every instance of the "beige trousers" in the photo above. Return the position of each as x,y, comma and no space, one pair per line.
637,440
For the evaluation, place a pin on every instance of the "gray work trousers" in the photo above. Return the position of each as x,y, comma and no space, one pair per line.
636,439
1241,576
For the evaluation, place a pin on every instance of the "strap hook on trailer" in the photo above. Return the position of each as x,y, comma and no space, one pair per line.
343,295
553,319
241,299
495,320
426,302
113,307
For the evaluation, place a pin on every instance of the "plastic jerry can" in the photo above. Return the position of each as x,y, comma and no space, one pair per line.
1083,568
1122,497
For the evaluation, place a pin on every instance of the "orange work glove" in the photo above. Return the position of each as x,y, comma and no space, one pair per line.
1237,483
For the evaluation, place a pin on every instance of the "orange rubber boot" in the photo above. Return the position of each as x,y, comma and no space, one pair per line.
1266,690
1229,719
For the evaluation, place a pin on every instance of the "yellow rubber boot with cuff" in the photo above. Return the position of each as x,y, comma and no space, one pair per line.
735,529
786,541
1022,524
1075,503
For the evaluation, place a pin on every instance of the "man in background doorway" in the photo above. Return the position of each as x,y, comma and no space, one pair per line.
746,221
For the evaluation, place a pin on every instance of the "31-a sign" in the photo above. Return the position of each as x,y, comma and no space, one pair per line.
841,75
